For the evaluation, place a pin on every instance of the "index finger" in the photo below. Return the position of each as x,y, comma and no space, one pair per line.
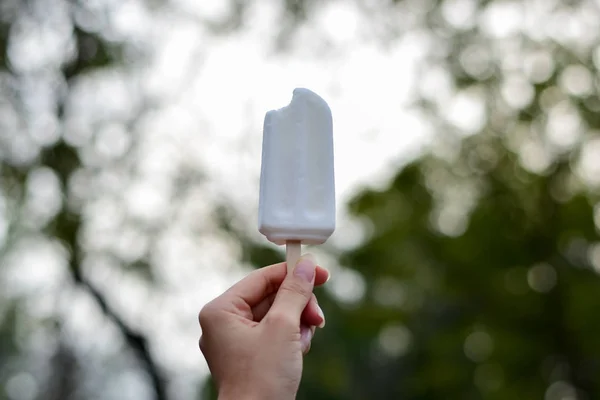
264,281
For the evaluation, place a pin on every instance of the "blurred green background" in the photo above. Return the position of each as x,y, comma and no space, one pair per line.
464,267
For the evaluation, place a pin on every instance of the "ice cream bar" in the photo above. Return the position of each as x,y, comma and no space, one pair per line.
297,189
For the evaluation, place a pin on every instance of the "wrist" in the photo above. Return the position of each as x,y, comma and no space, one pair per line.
237,395
241,392
238,392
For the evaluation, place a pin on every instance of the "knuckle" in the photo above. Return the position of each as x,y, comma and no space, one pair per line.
206,315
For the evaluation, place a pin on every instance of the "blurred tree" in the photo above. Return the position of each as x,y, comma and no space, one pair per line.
86,51
481,262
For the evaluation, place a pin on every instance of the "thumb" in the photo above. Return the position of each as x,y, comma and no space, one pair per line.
296,291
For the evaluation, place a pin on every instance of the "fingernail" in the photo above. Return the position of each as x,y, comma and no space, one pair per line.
305,269
320,312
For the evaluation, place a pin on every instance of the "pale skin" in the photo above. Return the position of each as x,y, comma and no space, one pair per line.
254,335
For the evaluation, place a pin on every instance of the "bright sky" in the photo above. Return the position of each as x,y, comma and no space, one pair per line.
212,93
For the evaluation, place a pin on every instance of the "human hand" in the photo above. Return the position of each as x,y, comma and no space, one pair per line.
255,334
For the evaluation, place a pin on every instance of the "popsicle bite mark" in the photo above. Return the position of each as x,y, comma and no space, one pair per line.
309,95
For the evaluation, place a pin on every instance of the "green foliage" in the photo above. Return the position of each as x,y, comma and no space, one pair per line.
92,52
478,282
260,255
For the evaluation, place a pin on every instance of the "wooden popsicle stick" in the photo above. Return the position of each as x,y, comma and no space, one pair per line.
292,253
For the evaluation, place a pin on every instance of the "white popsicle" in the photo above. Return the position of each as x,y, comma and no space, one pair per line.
297,189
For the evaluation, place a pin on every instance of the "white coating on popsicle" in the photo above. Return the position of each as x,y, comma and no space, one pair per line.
297,189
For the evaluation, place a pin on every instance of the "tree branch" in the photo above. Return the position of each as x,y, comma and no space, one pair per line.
136,341
63,159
